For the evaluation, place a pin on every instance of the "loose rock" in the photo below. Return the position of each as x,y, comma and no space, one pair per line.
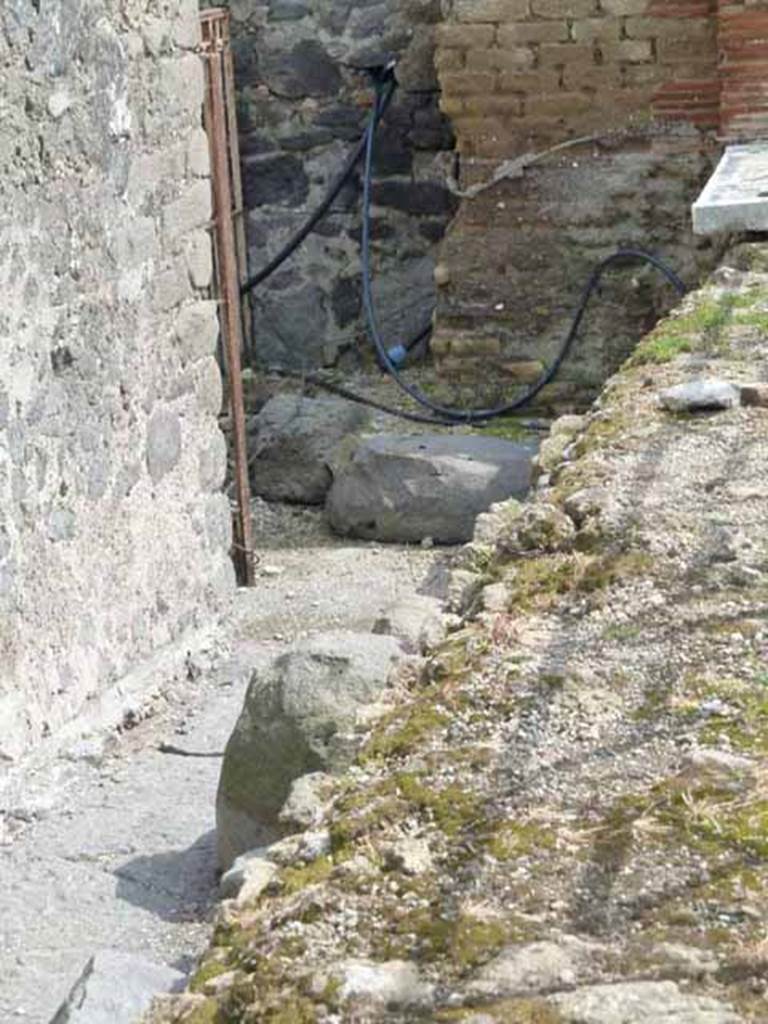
394,983
299,716
411,856
307,800
537,967
700,396
540,527
248,877
417,622
685,961
295,440
496,522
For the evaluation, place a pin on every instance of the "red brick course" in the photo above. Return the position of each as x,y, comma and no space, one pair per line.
703,62
743,43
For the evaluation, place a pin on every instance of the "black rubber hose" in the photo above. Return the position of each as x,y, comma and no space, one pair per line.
454,415
338,389
383,99
441,415
479,417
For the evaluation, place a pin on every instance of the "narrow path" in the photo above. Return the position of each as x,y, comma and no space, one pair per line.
119,853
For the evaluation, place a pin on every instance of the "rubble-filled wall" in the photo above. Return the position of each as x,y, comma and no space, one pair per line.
303,102
114,533
638,80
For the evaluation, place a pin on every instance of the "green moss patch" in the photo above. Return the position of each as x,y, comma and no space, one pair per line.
206,972
451,807
294,879
513,839
538,582
405,730
433,932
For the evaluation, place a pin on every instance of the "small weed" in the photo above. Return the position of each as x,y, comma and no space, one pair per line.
621,631
700,329
514,839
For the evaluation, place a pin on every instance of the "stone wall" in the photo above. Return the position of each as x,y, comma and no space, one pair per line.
303,102
638,79
113,529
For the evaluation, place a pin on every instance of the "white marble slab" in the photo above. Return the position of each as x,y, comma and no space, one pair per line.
736,196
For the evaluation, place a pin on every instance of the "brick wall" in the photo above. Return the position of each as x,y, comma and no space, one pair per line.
743,43
530,72
641,79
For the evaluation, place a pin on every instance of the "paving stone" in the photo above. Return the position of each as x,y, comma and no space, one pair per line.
116,988
734,197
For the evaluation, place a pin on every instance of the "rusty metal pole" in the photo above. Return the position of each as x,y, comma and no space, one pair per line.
238,211
215,32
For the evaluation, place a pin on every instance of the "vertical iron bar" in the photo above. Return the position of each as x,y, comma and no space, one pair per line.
237,195
214,42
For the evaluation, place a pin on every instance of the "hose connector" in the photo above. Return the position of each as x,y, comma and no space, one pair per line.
383,73
397,354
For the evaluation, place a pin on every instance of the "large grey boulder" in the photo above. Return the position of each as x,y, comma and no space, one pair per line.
408,488
116,988
294,440
303,713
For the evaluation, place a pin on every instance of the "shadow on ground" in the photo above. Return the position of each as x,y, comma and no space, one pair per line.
176,885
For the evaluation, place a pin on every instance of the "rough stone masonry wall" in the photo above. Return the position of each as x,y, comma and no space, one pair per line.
303,104
113,530
639,78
